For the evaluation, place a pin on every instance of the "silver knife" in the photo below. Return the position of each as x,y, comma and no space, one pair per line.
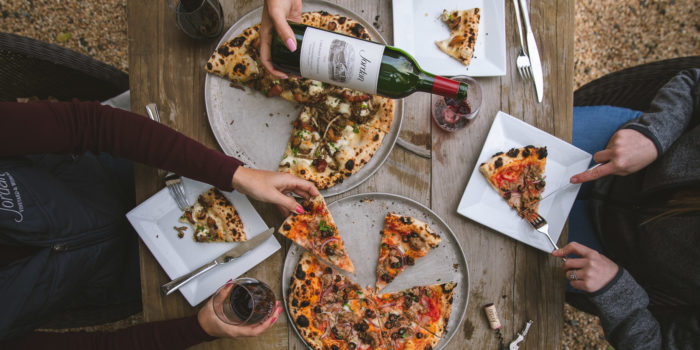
533,53
236,252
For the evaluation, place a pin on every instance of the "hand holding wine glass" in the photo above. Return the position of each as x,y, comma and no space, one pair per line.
242,308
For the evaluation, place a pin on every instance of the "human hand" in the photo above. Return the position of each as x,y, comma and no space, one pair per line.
213,326
275,14
627,152
592,270
273,187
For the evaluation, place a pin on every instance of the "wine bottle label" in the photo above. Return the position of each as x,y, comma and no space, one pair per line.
340,60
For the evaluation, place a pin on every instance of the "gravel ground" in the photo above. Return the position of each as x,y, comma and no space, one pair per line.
610,35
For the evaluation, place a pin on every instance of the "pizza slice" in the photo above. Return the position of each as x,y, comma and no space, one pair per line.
316,231
400,332
404,240
428,306
518,176
317,295
214,219
464,27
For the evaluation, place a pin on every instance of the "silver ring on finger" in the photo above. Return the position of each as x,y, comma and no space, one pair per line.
572,275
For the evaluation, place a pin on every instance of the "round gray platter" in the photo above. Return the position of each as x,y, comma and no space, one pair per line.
360,218
255,128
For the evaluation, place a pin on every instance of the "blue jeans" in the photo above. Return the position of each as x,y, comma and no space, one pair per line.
592,128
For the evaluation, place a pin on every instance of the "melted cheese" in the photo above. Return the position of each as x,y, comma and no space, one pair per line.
315,88
332,101
305,117
344,108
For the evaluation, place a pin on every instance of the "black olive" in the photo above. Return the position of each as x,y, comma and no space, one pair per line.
396,265
369,313
335,288
389,325
328,270
334,347
317,309
360,327
393,317
414,235
387,278
402,330
409,261
338,278
419,335
395,335
352,346
404,238
329,250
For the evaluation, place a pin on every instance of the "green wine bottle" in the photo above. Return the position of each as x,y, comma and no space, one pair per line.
358,64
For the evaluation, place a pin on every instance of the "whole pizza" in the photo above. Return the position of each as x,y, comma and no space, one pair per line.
338,130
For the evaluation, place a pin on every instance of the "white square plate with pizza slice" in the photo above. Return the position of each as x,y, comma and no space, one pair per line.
417,26
154,220
481,203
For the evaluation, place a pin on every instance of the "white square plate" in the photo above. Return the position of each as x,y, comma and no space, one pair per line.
481,203
154,220
417,26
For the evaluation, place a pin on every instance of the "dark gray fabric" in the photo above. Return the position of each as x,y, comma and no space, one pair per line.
654,302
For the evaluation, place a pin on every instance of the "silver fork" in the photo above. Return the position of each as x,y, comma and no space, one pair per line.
541,225
172,181
522,62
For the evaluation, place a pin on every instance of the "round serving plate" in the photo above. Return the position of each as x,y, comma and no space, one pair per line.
255,128
360,218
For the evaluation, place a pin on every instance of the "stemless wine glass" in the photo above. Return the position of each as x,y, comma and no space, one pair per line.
199,19
243,302
451,114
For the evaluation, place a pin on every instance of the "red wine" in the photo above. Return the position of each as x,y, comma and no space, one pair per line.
358,64
252,302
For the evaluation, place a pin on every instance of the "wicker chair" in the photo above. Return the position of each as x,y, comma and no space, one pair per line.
31,68
632,88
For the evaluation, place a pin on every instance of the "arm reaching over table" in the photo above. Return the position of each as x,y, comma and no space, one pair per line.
274,17
78,127
641,141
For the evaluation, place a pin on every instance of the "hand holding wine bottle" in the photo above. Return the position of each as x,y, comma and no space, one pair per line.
274,18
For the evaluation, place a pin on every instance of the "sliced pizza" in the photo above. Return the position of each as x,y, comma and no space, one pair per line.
464,27
214,219
339,129
316,231
404,240
428,306
317,294
402,333
518,176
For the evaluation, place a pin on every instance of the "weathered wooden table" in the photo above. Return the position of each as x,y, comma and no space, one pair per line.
165,67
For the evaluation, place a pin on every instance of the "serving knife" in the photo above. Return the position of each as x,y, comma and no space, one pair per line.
234,253
532,52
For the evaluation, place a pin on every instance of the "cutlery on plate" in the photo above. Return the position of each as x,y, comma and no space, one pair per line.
236,252
172,181
522,62
567,185
535,63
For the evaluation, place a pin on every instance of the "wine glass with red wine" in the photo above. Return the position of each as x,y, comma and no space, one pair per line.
452,114
199,19
243,302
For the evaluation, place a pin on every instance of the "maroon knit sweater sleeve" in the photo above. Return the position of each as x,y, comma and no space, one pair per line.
78,127
174,334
